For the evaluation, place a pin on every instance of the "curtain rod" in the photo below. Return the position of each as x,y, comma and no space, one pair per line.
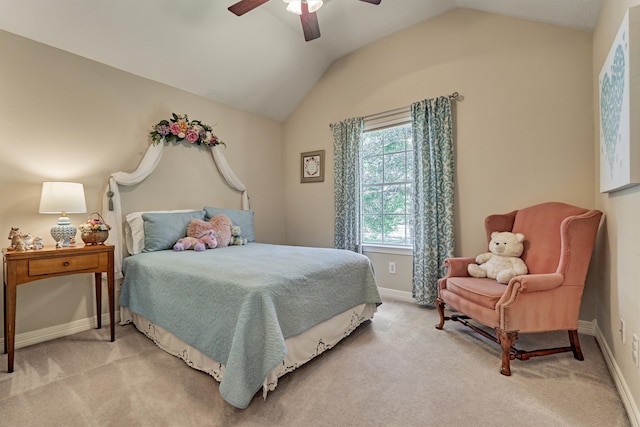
454,97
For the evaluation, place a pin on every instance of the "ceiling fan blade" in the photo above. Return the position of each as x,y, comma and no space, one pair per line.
372,1
309,22
245,6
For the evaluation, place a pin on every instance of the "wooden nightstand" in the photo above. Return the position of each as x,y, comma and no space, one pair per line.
26,266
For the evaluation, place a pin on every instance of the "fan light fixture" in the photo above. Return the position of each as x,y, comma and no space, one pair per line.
307,14
62,198
295,6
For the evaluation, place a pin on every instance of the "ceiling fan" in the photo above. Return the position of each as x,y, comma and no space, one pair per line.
305,8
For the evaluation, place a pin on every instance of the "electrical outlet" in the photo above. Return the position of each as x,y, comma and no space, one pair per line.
622,330
392,268
634,349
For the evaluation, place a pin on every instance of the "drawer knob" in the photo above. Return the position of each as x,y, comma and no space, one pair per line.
66,263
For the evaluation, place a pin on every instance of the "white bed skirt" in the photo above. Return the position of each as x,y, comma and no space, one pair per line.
300,348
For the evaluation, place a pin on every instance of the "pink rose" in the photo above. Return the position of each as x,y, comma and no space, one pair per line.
192,136
175,128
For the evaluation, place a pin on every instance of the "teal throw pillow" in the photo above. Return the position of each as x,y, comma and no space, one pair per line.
242,218
163,230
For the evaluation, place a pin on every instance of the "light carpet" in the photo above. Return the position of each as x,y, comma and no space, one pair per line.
396,370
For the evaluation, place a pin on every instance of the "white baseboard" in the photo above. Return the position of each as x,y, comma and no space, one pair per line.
618,378
41,335
586,327
396,295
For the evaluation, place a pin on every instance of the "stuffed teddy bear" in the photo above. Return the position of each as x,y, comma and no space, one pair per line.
206,241
503,261
220,224
236,238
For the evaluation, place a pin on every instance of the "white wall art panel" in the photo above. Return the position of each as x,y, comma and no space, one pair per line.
619,85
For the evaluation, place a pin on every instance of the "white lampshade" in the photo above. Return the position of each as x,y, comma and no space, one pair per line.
295,6
61,198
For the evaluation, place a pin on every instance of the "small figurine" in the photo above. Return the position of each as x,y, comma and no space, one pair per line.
15,236
21,246
28,240
37,242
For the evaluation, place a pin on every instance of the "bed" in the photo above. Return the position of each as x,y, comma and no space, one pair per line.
246,315
238,305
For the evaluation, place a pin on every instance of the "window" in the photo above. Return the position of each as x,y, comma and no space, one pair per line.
386,184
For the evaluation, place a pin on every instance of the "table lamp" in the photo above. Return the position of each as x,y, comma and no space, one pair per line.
62,198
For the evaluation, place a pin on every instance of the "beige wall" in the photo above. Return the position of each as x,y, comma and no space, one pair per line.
68,118
523,133
618,250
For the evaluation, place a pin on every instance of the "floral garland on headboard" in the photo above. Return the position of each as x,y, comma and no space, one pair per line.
179,128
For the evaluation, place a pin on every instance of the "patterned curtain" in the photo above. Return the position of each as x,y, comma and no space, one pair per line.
347,136
433,194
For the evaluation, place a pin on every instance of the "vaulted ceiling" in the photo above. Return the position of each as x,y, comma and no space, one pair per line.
258,62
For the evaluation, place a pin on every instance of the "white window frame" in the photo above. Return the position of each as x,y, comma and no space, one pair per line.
398,117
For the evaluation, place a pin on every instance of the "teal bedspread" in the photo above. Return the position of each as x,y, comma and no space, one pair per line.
238,304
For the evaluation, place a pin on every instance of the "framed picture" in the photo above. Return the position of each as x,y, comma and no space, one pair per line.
619,101
312,166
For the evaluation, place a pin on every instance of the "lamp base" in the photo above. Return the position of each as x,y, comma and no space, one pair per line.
63,232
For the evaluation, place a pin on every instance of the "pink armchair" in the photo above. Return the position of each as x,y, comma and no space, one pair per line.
559,239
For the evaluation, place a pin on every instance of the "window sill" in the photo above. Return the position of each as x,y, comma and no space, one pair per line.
386,249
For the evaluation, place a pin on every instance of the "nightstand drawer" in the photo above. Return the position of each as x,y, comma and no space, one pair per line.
41,267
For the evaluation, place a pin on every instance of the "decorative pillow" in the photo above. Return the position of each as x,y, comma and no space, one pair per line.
134,229
243,218
163,230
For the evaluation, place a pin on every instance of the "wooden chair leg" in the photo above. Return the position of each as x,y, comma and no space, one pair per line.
575,344
440,308
507,341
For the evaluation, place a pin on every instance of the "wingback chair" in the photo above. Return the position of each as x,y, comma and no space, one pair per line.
559,239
